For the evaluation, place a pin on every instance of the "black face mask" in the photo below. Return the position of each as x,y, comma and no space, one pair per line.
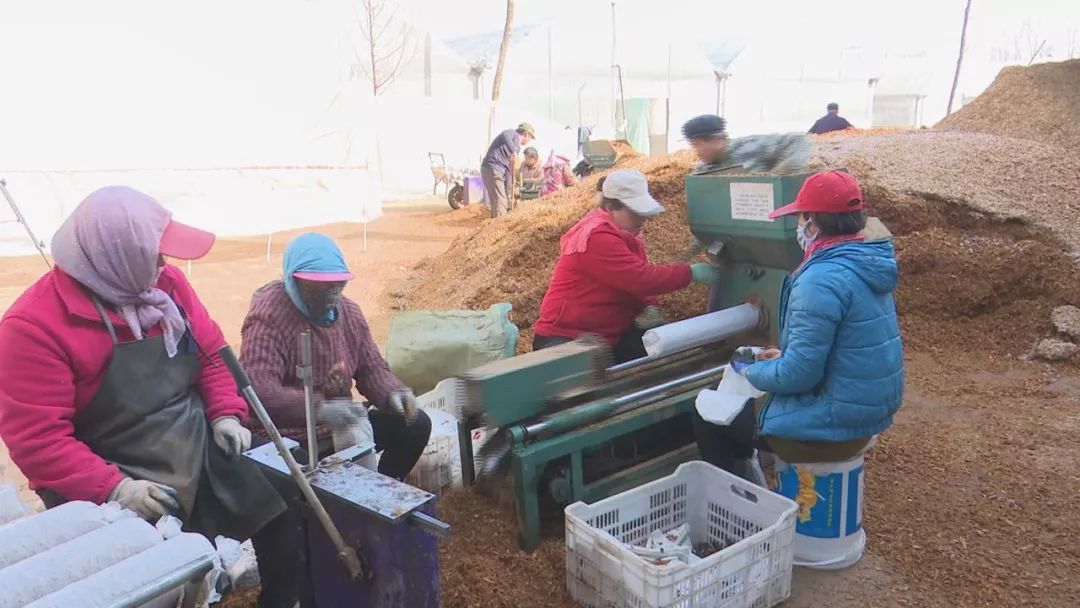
320,298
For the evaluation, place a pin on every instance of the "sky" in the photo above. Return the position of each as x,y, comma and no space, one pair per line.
97,83
890,23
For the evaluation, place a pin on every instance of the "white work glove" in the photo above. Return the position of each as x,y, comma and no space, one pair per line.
341,415
361,432
231,436
150,500
403,402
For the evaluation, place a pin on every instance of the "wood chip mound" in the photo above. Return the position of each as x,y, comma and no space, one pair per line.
1000,179
854,132
1038,102
511,259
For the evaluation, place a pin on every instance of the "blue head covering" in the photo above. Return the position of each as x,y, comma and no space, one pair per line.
311,252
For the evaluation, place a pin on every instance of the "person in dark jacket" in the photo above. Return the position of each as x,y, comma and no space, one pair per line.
500,166
832,121
838,376
603,283
707,136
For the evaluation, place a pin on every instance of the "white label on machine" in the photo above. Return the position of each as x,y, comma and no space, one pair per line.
751,201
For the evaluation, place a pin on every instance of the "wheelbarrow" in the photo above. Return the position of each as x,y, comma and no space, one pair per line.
453,180
600,154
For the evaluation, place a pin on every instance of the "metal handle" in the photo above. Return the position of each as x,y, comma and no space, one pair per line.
429,524
194,570
303,371
237,370
349,557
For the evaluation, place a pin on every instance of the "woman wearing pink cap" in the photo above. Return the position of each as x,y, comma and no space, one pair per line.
309,298
111,388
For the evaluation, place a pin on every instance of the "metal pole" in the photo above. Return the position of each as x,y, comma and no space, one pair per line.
551,79
614,79
667,113
580,115
193,570
269,239
304,372
39,245
349,557
586,414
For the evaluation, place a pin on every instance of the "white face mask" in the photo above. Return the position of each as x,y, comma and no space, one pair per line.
805,239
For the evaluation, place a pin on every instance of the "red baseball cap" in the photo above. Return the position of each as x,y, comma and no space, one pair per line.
825,192
185,242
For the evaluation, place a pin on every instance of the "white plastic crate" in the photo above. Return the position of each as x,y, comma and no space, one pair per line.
442,406
442,398
755,526
433,471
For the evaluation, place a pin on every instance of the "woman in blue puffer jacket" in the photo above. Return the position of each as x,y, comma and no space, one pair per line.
838,376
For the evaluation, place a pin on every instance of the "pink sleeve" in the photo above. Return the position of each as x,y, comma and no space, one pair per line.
569,179
37,403
219,392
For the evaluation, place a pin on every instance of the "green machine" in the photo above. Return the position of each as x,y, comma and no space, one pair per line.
728,214
569,426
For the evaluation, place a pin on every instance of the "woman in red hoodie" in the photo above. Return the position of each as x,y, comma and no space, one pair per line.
603,283
111,388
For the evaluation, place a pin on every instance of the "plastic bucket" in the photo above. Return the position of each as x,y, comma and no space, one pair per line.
828,525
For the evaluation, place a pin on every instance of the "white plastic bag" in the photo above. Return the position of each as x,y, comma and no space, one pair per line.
722,405
239,562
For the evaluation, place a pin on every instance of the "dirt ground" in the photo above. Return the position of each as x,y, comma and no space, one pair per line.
971,497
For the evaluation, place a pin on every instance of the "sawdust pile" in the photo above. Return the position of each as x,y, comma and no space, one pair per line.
982,224
1039,103
482,566
859,133
511,259
987,230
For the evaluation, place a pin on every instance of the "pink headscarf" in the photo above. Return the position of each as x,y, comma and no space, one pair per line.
110,245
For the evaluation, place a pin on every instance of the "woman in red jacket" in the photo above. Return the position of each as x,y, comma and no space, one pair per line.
603,283
111,388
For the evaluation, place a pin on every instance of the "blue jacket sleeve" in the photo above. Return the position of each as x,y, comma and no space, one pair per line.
813,314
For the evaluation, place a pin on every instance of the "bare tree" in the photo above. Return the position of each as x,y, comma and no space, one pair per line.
389,43
496,85
1072,43
959,58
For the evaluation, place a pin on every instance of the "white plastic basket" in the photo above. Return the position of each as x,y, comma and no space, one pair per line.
755,526
434,471
443,398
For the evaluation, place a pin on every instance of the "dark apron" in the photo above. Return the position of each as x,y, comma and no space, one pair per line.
148,419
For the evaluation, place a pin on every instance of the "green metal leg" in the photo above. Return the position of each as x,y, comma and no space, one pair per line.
577,476
468,475
526,480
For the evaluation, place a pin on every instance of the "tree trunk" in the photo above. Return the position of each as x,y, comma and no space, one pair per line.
503,48
496,85
959,58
